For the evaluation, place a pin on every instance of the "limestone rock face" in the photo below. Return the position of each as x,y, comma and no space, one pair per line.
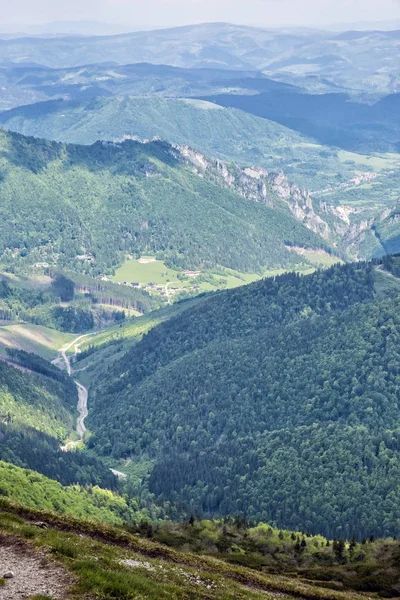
342,227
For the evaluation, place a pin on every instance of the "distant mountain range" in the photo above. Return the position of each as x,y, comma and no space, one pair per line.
365,61
26,83
61,28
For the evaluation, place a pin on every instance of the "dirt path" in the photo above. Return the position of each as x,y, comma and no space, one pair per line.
381,269
34,574
119,474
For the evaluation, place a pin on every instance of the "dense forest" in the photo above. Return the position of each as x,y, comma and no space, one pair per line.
268,401
228,134
70,304
37,412
57,203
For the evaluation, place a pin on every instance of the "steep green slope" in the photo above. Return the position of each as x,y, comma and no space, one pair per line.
37,413
108,562
220,132
85,207
36,491
255,400
46,403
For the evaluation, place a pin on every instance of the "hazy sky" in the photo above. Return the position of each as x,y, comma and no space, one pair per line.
179,12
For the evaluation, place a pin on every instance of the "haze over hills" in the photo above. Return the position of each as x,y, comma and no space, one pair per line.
199,300
23,84
343,59
229,134
61,28
332,119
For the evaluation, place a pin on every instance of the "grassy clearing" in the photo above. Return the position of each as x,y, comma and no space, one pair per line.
147,270
319,258
33,338
374,163
128,567
153,271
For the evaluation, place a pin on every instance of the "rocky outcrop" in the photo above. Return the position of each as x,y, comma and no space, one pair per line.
271,189
343,227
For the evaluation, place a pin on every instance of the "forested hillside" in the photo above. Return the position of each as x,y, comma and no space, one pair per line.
86,207
74,304
275,128
39,492
225,133
332,119
37,413
268,400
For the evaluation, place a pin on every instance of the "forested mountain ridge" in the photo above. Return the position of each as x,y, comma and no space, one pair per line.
218,132
58,201
333,119
255,400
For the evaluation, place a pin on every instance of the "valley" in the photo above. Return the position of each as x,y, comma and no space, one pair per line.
199,313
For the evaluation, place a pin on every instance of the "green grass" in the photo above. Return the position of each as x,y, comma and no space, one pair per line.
37,491
149,270
110,563
318,258
33,338
374,162
153,271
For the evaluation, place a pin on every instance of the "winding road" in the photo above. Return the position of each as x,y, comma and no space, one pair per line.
64,360
82,391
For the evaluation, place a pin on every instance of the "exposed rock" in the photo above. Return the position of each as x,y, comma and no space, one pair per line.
29,572
271,189
337,225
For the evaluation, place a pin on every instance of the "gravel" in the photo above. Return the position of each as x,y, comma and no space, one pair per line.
33,573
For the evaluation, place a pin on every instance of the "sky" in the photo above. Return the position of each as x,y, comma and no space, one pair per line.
166,13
